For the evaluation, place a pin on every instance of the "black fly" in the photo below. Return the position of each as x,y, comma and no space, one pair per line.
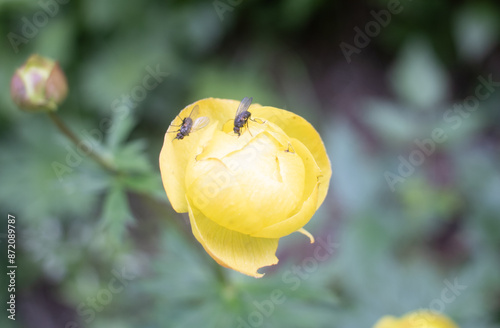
242,115
188,125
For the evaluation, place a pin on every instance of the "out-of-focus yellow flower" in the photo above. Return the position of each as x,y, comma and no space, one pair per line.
38,85
417,319
245,192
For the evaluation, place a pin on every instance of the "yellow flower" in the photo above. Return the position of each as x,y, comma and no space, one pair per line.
38,85
245,192
417,319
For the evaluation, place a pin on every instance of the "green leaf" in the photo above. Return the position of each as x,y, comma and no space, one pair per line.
132,157
149,183
122,125
116,215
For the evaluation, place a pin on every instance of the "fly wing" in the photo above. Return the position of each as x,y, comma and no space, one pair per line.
244,105
200,123
194,112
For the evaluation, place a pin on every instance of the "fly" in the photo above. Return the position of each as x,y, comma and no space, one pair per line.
242,115
188,125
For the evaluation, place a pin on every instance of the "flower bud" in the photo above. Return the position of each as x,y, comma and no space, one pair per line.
245,186
39,85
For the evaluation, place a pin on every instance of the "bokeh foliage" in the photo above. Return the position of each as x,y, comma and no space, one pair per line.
394,250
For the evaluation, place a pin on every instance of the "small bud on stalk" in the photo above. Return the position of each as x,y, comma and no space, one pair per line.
39,85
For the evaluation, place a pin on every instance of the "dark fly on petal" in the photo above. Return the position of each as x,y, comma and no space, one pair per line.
242,115
188,125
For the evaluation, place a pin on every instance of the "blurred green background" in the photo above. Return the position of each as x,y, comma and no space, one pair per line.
95,250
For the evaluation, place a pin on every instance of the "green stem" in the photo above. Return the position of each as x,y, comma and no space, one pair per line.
71,136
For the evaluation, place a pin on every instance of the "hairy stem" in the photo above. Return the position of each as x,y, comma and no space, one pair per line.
88,150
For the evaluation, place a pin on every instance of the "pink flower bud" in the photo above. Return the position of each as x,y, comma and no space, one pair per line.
39,85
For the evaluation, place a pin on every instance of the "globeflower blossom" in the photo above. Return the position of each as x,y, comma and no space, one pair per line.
243,191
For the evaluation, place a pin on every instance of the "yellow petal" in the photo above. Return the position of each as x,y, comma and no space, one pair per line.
232,249
303,214
387,322
222,110
175,155
426,319
313,171
293,223
246,191
297,127
417,319
225,143
307,234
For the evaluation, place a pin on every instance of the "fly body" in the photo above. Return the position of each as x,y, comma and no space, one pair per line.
242,115
189,125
